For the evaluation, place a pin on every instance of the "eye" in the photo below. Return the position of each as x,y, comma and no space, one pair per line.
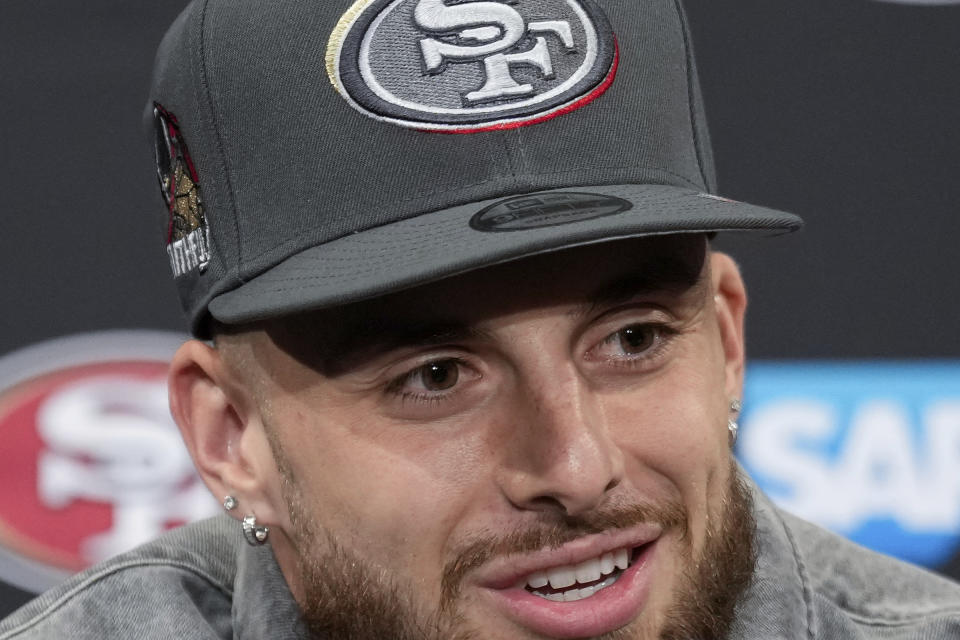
440,375
432,380
637,338
635,342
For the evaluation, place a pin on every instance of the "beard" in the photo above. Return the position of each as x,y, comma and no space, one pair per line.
345,597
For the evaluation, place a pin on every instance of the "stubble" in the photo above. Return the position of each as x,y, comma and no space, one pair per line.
348,598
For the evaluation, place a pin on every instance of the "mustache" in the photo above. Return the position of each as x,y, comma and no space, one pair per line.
554,532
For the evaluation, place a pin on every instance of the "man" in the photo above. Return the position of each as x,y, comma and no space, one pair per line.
475,371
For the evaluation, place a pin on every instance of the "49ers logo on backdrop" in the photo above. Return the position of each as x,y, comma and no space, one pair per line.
469,66
93,463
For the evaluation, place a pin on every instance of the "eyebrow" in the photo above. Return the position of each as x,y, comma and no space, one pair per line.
385,338
664,276
376,337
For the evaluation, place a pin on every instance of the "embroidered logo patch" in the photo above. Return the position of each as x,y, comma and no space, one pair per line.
188,238
466,66
546,210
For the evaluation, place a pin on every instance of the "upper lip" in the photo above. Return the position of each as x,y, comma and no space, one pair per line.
506,571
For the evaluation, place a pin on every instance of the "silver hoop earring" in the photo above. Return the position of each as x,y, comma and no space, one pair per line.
256,536
230,503
733,428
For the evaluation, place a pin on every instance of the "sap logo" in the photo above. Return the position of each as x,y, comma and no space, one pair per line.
878,470
870,451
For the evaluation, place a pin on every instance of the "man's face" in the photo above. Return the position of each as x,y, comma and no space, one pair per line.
534,450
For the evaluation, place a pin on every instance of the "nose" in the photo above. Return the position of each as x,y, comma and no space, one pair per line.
560,455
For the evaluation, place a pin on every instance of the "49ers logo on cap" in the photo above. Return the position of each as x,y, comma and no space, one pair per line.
466,66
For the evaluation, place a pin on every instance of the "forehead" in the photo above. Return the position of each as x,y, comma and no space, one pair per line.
580,277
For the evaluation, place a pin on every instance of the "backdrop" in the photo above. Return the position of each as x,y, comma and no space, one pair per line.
843,111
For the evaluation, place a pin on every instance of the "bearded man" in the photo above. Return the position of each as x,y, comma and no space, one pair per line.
471,369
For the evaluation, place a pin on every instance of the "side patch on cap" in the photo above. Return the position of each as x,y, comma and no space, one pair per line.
537,210
188,237
462,67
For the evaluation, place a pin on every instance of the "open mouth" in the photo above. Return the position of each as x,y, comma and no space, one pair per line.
588,597
570,583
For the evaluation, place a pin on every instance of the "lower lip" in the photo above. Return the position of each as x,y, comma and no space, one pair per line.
603,612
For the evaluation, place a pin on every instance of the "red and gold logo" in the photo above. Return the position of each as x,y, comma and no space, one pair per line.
188,238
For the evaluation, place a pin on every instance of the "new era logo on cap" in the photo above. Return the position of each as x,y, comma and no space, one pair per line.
464,67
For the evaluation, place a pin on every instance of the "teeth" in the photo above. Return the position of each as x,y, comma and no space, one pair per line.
583,573
588,571
538,580
606,564
562,577
578,594
621,558
572,595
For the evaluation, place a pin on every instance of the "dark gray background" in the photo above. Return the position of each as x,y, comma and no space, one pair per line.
844,111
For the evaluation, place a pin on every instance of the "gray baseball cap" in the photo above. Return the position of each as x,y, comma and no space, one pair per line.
315,153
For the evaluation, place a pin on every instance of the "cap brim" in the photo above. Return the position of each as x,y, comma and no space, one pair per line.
443,243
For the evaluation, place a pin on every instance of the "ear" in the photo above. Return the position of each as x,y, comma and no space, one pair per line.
730,301
223,430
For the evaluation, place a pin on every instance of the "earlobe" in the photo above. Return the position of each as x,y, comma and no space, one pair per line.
221,428
730,299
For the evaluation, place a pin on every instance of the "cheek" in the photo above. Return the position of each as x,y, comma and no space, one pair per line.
673,435
394,493
680,442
